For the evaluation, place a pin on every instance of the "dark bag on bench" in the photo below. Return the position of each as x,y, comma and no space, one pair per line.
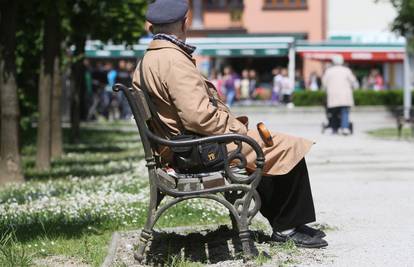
198,158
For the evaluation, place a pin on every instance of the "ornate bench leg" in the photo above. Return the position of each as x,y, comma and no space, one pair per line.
249,249
146,233
246,244
231,197
234,224
139,255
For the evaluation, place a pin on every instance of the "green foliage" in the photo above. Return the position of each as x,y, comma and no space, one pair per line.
118,21
392,133
389,98
384,98
11,254
404,22
28,51
262,258
309,98
106,20
178,261
75,210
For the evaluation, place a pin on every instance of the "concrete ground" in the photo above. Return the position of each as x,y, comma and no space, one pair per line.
363,187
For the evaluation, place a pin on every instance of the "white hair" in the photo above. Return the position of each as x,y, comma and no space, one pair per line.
337,60
170,28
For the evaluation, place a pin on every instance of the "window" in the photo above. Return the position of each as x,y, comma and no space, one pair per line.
223,4
285,4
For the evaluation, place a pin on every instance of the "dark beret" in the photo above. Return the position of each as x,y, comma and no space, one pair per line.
167,11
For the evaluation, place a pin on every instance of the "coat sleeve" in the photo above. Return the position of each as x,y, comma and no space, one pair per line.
352,80
188,93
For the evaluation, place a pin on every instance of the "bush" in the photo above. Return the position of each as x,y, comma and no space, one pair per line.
362,98
309,98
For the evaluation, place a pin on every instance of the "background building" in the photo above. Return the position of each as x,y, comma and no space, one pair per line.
301,35
369,37
300,19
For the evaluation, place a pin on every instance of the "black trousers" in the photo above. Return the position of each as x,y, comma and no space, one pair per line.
287,199
334,115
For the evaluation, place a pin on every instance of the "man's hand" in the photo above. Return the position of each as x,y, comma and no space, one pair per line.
244,120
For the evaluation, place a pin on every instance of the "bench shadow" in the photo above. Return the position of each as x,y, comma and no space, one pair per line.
210,246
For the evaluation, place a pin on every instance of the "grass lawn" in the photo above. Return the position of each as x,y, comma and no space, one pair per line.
97,187
392,133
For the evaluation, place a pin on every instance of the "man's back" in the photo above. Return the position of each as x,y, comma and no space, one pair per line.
184,99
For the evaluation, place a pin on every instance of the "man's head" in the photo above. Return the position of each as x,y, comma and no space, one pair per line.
338,60
169,17
228,70
122,64
245,74
252,74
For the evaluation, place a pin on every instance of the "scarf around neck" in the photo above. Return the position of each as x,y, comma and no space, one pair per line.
189,49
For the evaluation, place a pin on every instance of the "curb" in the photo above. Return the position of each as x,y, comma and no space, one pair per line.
110,257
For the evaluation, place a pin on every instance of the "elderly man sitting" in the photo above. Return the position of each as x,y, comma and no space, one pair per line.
187,102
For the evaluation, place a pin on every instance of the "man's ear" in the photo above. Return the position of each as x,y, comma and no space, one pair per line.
184,26
151,29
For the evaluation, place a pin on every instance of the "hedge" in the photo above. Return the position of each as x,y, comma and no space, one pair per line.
362,98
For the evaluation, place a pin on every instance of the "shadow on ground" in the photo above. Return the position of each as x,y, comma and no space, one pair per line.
213,246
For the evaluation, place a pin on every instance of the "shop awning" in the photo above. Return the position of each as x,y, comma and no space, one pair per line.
96,49
375,52
208,46
242,46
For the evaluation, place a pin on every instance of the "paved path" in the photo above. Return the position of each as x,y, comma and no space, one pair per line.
362,186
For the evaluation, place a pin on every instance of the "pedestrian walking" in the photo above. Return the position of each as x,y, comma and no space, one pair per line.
245,85
339,82
230,85
216,78
314,83
123,76
277,80
252,82
286,88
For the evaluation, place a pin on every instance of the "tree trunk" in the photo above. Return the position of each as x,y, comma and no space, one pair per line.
51,46
78,80
43,154
75,106
10,168
56,128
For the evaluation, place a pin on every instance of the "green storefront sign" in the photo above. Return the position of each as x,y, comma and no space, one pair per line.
242,52
214,47
203,52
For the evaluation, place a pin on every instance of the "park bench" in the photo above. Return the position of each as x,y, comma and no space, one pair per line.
230,186
401,121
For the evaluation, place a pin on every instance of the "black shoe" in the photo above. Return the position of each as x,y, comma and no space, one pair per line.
300,239
311,231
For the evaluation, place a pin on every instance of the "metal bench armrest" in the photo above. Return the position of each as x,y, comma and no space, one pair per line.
235,155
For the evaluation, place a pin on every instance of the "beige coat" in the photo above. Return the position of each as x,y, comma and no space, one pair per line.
339,82
182,97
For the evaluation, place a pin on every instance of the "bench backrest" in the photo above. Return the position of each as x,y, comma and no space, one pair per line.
142,115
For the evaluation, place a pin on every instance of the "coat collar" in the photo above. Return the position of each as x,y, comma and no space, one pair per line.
162,44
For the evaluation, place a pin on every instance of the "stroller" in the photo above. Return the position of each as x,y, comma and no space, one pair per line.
334,120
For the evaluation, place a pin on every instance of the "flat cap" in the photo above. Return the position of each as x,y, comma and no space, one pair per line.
167,11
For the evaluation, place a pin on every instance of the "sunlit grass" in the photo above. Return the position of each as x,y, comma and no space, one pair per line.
97,187
392,133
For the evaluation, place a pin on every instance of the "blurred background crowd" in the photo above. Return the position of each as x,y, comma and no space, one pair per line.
242,87
99,98
243,49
